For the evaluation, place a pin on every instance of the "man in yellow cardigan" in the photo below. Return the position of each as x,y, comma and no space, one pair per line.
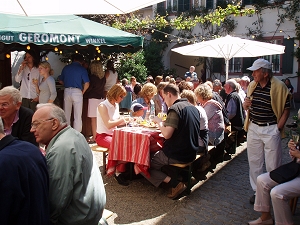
268,108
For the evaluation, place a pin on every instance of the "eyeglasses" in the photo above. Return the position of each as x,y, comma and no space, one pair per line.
4,105
35,125
28,76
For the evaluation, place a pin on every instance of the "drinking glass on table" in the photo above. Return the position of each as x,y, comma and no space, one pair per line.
127,119
151,117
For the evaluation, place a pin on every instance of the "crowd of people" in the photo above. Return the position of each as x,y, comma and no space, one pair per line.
65,177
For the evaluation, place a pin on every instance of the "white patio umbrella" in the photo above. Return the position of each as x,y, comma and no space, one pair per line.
72,7
229,47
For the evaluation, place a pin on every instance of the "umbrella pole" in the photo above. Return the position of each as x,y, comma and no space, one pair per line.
227,68
22,7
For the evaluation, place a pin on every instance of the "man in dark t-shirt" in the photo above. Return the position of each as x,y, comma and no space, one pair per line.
181,131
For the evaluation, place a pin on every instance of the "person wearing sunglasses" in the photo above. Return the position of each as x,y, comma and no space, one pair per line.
28,72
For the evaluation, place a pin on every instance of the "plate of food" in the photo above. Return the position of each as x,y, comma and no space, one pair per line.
148,124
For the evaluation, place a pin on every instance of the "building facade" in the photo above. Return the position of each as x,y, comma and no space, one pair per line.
266,25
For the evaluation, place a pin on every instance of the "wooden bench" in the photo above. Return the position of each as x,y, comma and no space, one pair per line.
104,151
293,204
189,166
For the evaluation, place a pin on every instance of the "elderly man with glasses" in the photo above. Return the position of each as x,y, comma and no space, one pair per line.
76,192
16,118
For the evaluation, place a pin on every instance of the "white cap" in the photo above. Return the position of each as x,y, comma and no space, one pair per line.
260,63
245,78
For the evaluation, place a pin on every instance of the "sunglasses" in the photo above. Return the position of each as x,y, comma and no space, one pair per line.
28,76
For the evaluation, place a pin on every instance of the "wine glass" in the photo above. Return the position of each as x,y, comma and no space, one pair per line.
151,117
295,137
126,119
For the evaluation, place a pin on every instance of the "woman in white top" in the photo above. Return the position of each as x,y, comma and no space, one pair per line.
26,73
46,88
108,118
111,76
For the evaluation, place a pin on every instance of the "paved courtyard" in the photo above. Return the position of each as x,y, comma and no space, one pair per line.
222,198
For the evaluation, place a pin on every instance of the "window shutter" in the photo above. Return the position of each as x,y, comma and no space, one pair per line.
288,56
209,4
161,6
217,65
183,5
247,62
247,2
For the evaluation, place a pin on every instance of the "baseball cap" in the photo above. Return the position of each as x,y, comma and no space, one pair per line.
260,63
245,78
137,106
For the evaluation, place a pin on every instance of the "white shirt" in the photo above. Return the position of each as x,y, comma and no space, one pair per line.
27,89
111,80
113,113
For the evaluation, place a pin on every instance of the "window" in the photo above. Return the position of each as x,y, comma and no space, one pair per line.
275,60
178,5
209,4
235,65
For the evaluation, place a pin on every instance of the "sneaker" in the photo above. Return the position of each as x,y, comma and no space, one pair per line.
259,221
177,190
121,180
252,199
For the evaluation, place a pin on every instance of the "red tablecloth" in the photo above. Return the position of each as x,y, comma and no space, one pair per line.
132,144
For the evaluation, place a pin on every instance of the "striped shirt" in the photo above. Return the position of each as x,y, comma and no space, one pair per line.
261,108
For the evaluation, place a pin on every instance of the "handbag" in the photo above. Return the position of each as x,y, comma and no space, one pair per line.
286,172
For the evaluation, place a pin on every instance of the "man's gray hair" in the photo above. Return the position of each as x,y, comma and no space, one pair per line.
217,83
232,83
269,71
1,127
55,112
13,92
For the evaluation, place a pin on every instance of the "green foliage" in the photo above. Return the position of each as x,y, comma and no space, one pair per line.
132,65
154,52
183,21
153,56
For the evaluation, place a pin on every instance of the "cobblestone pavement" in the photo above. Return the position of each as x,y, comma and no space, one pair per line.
223,198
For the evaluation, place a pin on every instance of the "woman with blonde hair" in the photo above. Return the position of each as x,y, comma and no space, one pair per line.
108,118
147,93
214,114
95,93
157,80
46,89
